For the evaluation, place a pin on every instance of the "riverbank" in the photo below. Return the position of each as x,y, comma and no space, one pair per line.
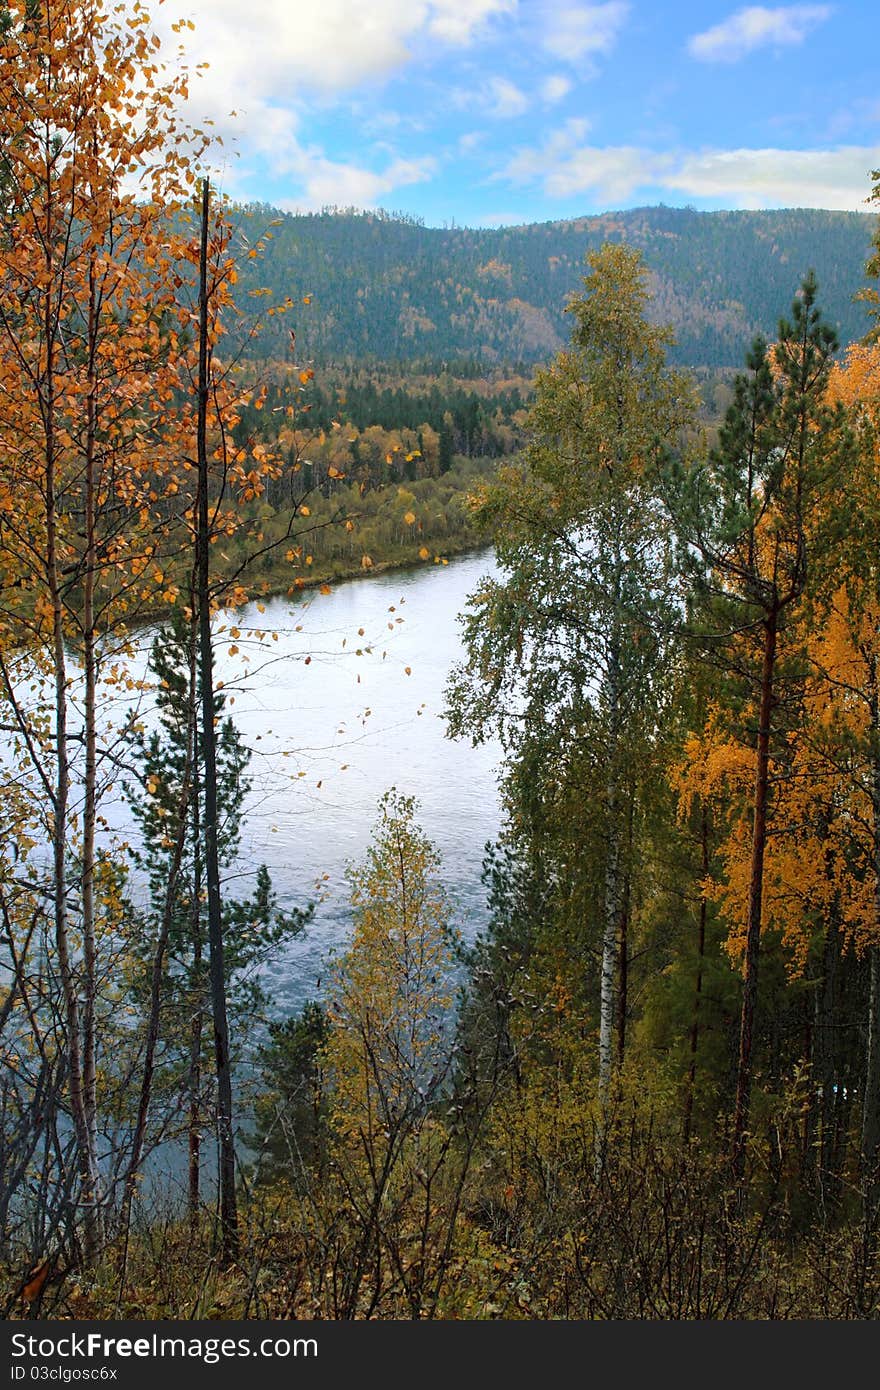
336,540
408,560
347,535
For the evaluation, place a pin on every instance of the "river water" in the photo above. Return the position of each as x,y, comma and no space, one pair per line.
340,699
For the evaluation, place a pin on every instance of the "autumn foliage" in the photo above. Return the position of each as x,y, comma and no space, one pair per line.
651,1088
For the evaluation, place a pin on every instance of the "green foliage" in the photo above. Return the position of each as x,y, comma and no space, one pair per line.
567,653
391,992
161,756
872,268
500,963
413,1162
347,525
387,289
253,927
477,417
290,1111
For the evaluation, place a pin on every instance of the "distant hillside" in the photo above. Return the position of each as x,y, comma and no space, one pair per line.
388,289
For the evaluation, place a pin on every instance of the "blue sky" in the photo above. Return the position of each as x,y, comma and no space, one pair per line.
486,112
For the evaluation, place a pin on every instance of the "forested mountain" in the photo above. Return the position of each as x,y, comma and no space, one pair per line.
388,289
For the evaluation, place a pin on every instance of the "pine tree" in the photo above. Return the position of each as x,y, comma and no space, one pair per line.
291,1110
171,785
746,520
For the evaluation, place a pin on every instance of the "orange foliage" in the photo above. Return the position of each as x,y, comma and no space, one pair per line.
821,855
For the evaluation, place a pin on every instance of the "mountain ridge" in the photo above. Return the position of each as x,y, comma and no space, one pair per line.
386,288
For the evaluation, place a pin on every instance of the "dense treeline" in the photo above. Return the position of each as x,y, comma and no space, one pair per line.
652,1088
371,474
372,469
444,416
345,531
387,289
474,423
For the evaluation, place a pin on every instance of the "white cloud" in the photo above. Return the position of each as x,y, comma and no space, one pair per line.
494,96
834,178
326,182
469,141
581,33
756,26
566,166
504,98
555,88
457,20
267,59
282,49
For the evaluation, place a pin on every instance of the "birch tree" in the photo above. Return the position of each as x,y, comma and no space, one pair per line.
565,653
87,370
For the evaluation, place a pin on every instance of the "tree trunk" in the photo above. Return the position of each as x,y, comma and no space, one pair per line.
756,889
61,791
90,787
611,905
623,973
194,1080
871,1103
698,982
158,967
610,913
225,1141
623,945
194,1146
870,1137
824,1071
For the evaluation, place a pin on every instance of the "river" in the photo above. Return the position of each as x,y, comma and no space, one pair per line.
340,699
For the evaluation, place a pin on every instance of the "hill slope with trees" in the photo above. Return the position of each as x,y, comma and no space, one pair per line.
385,288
